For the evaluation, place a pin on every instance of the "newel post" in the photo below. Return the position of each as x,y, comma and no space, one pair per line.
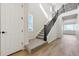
45,32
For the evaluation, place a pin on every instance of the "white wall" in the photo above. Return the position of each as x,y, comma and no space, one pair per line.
49,8
39,20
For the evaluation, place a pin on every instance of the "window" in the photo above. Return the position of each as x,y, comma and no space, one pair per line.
30,23
70,27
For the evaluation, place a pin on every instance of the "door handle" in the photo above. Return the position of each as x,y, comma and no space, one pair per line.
3,32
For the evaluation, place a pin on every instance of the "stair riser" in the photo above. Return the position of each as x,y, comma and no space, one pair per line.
41,32
41,35
39,38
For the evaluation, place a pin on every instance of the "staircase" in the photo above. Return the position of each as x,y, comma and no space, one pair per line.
41,38
37,42
40,35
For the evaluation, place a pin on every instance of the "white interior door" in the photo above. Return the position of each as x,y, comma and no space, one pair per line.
0,29
12,35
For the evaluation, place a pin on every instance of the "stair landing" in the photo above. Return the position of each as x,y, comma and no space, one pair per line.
34,43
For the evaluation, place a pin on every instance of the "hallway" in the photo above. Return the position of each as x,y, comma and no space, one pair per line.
37,30
67,46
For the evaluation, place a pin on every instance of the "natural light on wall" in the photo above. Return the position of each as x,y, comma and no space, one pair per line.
43,10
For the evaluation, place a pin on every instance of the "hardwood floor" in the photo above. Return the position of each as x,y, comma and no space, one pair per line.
67,46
